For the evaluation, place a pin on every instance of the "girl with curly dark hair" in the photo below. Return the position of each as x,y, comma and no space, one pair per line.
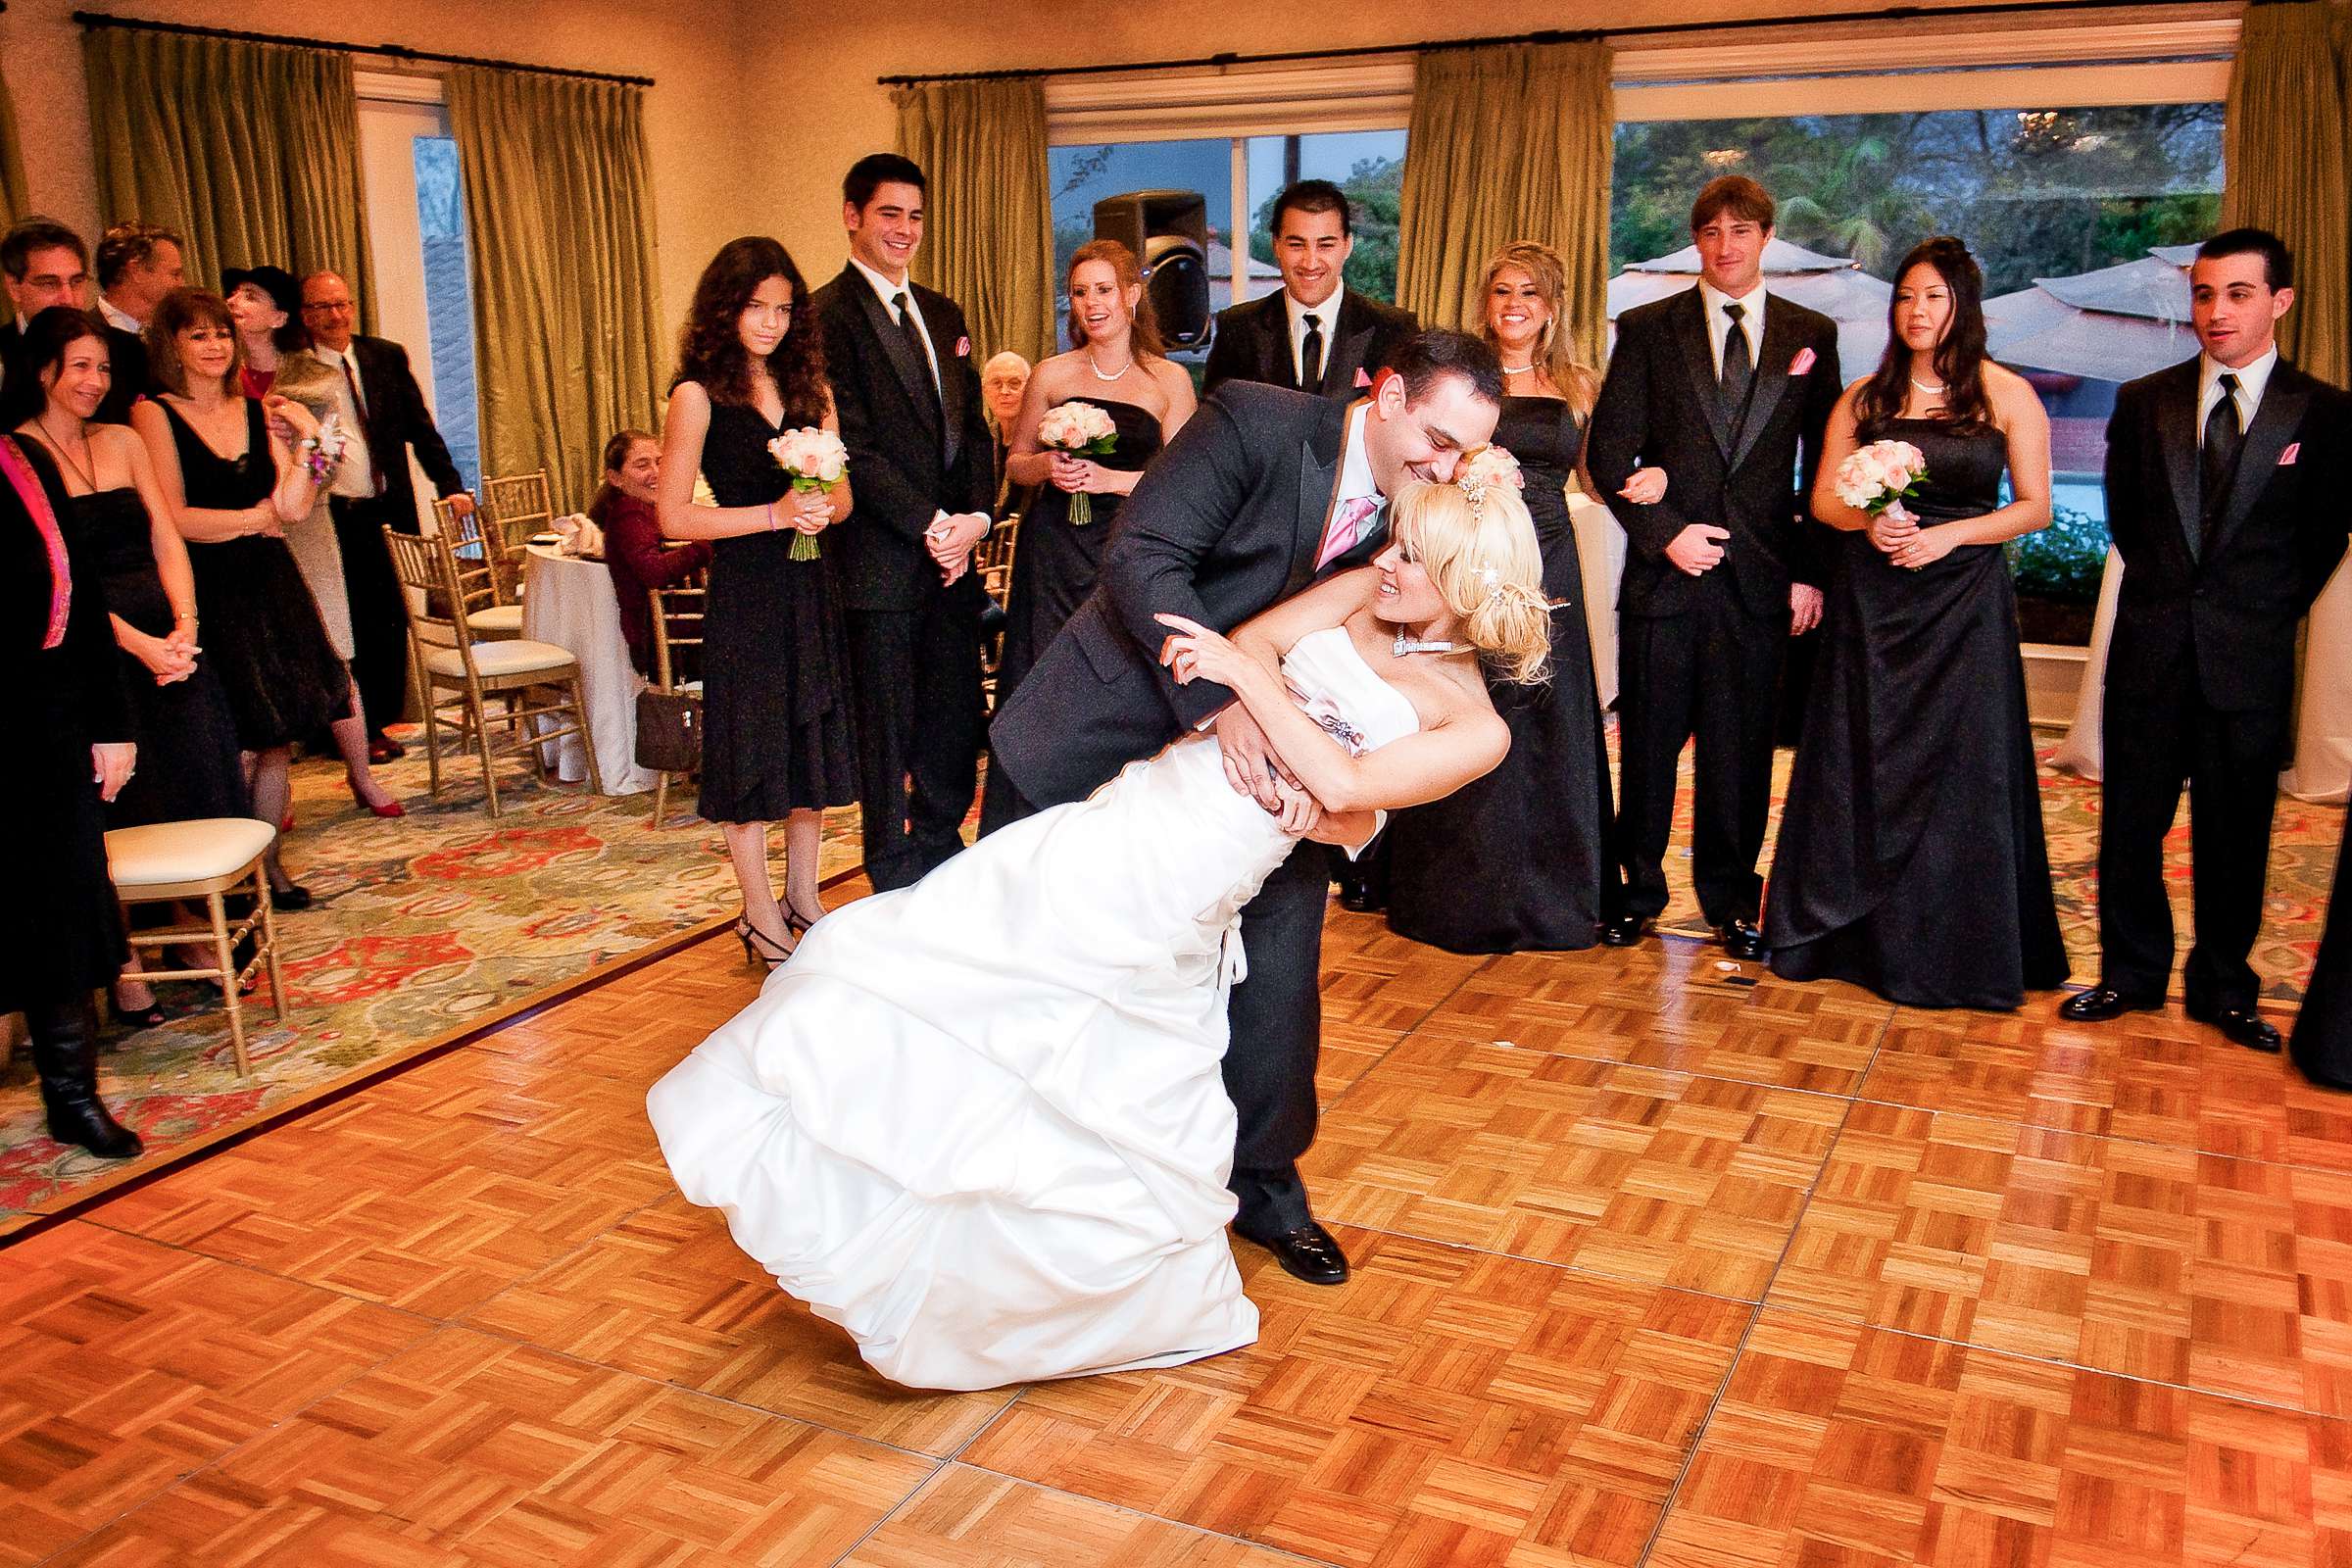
776,740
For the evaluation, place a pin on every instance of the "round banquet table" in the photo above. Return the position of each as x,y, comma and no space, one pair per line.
569,601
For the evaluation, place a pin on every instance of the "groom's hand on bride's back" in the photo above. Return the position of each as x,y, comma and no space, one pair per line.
1251,765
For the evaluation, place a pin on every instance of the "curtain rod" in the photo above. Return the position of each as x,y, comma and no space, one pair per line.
1895,13
100,19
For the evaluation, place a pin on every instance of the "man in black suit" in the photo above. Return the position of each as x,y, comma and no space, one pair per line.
1262,492
1320,336
381,400
138,263
1315,335
1720,387
922,470
2228,478
42,263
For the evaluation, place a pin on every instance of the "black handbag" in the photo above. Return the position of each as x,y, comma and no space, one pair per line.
669,730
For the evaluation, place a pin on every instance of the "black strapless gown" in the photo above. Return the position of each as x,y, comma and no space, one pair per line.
1521,859
776,736
1054,563
187,734
259,625
1911,859
2321,1044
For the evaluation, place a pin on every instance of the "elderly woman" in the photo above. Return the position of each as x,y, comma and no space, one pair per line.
265,304
1003,381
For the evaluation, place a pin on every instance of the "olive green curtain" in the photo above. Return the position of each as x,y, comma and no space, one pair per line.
989,244
14,202
2287,168
559,210
250,150
1507,143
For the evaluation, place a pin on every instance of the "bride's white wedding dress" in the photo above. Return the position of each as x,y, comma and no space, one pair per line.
978,1122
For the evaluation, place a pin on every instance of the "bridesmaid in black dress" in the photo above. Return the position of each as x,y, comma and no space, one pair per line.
2321,1043
776,736
1911,857
119,532
1116,363
1521,859
232,488
69,727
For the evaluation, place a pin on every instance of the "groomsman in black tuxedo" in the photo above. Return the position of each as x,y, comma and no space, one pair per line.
2229,495
922,470
1316,335
1261,493
1722,387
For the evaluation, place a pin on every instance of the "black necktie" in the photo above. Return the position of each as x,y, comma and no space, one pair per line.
1732,383
1311,357
2225,434
915,341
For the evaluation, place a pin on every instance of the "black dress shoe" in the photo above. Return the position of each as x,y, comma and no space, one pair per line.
1309,1254
382,749
294,896
1624,930
2243,1026
2099,1003
1360,899
1741,939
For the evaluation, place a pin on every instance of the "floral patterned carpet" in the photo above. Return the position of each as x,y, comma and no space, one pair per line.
444,919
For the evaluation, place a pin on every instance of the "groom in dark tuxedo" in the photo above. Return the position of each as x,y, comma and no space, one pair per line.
1261,493
922,472
2229,495
1721,386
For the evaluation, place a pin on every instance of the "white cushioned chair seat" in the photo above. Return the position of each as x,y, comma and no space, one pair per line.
164,853
517,658
497,621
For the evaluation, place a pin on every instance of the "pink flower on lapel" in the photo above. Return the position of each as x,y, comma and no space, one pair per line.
2294,450
963,348
1363,377
1803,363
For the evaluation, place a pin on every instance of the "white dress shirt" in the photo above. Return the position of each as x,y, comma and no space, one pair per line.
889,293
357,475
116,318
1718,324
2251,381
1355,463
1328,313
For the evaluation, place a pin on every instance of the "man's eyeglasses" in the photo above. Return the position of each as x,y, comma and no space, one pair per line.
326,307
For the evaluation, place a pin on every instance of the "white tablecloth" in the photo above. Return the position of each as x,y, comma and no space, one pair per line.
2322,768
1600,555
571,602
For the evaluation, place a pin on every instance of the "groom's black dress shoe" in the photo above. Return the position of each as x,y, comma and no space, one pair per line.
1741,939
1623,931
2098,1004
1308,1252
2240,1025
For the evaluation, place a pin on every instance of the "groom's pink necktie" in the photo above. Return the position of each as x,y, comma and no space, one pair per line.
1345,529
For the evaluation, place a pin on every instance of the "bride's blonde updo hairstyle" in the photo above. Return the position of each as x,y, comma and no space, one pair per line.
1477,546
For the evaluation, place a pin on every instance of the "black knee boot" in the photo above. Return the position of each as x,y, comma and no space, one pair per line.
65,1055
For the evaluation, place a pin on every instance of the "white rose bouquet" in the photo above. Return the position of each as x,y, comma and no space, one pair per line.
816,459
1881,476
1082,430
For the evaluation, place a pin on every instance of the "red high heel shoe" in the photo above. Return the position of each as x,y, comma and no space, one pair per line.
388,808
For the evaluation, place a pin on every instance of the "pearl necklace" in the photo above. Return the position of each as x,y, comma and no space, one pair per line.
1408,643
1115,375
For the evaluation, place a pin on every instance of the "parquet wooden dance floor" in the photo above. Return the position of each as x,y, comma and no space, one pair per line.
1655,1263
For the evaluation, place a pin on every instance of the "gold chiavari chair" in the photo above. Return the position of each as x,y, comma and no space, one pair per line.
678,612
518,506
458,669
992,558
499,614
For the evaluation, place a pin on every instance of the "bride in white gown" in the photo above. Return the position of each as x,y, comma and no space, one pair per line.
978,1122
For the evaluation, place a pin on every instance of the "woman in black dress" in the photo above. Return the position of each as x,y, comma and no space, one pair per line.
63,708
232,489
776,737
1116,363
1911,857
1521,859
119,532
2321,1043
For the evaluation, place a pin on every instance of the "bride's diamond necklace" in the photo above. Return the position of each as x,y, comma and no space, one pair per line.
1408,643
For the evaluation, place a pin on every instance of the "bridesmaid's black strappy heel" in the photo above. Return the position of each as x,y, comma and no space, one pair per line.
757,949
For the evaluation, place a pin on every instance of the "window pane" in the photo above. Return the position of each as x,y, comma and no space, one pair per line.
2070,213
449,301
1369,166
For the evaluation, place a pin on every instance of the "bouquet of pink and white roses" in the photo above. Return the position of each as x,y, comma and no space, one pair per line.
1881,476
1082,430
816,459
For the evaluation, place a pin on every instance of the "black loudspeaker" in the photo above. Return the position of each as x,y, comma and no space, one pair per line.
1168,231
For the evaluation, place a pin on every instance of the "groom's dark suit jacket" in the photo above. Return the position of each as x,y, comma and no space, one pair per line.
1226,522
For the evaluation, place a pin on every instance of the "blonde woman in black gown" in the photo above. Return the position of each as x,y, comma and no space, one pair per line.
1522,860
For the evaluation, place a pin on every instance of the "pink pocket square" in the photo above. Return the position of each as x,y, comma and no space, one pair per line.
1803,363
963,348
2294,450
1362,376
